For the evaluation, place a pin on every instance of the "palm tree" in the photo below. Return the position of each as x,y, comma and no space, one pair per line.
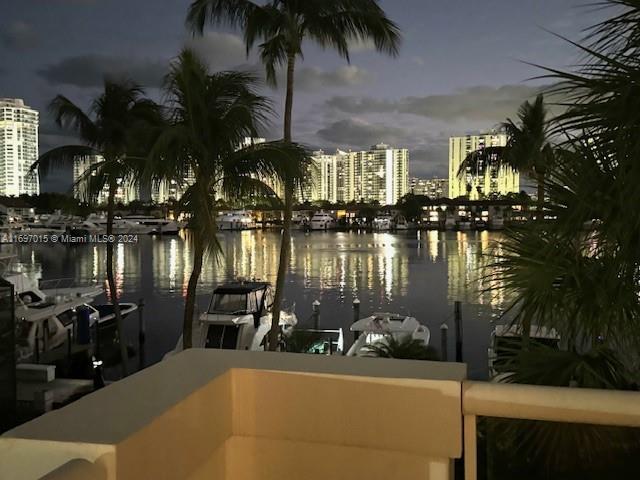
209,116
115,129
405,347
281,26
528,150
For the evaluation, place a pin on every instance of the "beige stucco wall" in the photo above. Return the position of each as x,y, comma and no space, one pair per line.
238,415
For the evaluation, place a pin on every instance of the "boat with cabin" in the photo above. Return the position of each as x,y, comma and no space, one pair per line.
322,221
158,226
380,325
238,318
236,220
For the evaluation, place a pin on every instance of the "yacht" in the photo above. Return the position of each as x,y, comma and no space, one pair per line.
159,226
383,223
400,223
98,224
44,317
322,221
238,318
376,327
237,220
300,221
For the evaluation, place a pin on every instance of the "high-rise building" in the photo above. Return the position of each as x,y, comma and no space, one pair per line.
126,191
484,180
430,187
380,174
18,148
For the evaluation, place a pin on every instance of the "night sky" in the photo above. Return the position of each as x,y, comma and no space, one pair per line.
460,70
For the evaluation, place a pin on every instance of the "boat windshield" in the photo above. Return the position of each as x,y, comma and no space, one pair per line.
228,303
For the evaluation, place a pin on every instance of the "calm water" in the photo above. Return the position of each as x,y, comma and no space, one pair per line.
417,273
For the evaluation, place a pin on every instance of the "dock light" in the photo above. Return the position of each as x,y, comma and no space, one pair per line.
96,363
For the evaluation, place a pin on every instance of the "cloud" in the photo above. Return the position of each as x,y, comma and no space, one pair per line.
87,71
311,78
355,133
479,103
219,50
19,36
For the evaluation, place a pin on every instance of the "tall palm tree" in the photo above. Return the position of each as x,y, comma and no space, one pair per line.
529,149
281,26
209,116
115,128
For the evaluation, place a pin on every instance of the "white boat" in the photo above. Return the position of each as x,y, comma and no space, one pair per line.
107,314
236,220
379,325
400,223
322,221
506,340
299,221
238,318
98,224
159,226
383,223
45,316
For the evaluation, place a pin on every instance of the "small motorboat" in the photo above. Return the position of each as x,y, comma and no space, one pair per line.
379,325
238,318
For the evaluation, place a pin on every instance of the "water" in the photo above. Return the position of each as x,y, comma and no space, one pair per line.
417,273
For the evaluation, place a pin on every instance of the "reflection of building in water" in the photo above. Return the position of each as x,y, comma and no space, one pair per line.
470,270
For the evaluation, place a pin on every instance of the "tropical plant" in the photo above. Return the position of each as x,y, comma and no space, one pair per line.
116,130
209,116
404,346
281,26
528,150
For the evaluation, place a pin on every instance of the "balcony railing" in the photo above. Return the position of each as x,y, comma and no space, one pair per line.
227,414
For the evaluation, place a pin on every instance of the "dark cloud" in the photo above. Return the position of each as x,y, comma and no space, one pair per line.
88,71
479,103
354,133
429,161
19,35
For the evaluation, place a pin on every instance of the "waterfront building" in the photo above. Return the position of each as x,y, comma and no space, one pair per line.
380,174
487,180
126,191
18,148
430,187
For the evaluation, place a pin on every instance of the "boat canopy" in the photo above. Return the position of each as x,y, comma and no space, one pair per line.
240,287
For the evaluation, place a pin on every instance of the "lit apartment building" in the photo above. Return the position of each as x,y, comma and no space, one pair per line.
380,174
18,148
125,192
430,187
492,179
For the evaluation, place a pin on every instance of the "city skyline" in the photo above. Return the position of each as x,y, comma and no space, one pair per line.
418,100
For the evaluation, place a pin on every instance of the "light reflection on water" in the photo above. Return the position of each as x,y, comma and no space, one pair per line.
418,273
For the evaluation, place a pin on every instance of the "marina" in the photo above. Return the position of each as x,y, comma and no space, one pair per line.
416,273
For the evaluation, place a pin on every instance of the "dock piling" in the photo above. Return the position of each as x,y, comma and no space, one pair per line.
444,333
141,334
316,314
457,315
356,316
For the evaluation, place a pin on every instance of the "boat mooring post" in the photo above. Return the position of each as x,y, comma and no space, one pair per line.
141,334
356,316
457,315
316,314
444,333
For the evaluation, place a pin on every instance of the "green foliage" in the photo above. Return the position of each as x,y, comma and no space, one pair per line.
280,26
403,347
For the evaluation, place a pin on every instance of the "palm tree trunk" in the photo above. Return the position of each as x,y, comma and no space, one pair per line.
190,301
113,294
540,207
285,243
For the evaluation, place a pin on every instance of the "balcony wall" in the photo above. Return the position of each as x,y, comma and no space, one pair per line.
211,414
